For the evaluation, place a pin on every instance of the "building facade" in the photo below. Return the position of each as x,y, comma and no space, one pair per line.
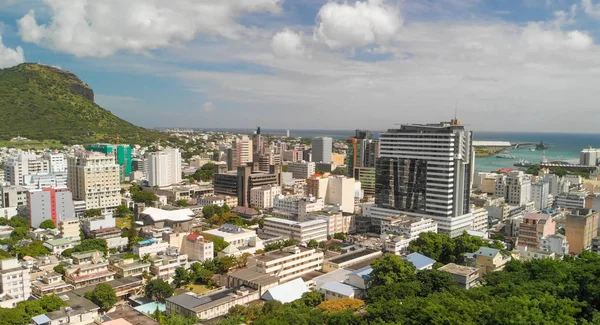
322,148
303,231
121,153
301,169
94,178
164,167
362,152
54,204
288,263
581,228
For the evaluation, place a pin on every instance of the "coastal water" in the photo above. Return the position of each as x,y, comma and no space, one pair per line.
561,146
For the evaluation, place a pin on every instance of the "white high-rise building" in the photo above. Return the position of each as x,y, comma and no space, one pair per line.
164,167
301,169
539,194
241,151
515,188
589,156
340,190
40,181
322,149
57,161
426,170
54,204
26,163
94,177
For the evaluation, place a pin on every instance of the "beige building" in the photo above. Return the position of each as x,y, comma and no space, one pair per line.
338,159
488,260
197,248
69,229
241,151
94,178
466,276
408,226
288,263
581,228
51,283
301,231
212,305
127,267
89,268
337,222
262,197
334,190
15,285
163,266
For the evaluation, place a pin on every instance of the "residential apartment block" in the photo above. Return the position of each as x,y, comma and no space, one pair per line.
94,178
289,263
302,231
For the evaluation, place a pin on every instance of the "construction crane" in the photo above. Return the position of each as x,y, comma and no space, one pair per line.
113,137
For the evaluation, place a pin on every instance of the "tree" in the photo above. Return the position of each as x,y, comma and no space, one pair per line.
34,249
312,244
219,244
92,244
92,213
60,269
181,277
158,289
103,295
181,203
122,211
312,298
144,196
391,269
47,224
242,260
19,222
435,281
337,305
340,235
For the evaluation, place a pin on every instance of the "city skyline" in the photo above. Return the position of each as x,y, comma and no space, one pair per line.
517,66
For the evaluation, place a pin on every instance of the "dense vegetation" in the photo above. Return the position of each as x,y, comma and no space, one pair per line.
21,315
34,96
445,249
538,292
19,245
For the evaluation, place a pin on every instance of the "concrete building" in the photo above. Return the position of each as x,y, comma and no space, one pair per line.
248,178
149,246
163,265
366,177
263,197
26,163
88,268
164,168
303,231
126,267
488,260
40,181
589,156
337,222
13,196
425,170
322,148
241,150
15,283
581,228
301,169
466,276
94,178
557,185
57,162
121,153
197,248
49,284
69,229
292,155
219,200
54,204
410,227
57,246
572,200
295,207
104,221
334,190
245,240
540,192
556,243
350,259
515,188
212,305
480,219
288,263
533,228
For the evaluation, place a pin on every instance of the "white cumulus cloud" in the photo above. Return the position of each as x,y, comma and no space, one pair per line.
10,57
590,8
89,28
353,25
539,38
208,107
287,43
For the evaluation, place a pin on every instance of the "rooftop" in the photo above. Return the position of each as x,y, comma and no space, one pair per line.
181,215
337,287
458,269
419,261
199,304
353,255
58,242
287,292
129,314
284,252
251,275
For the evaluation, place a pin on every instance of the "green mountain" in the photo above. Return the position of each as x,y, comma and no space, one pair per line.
40,102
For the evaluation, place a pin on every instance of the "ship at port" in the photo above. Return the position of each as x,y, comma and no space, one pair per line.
522,163
505,156
541,146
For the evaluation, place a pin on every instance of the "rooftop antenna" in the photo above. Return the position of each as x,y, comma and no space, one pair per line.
456,110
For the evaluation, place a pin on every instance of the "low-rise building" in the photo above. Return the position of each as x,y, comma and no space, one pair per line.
397,245
178,220
15,285
212,305
420,261
252,278
57,246
127,267
408,226
296,207
69,229
219,200
572,200
303,232
337,290
50,283
263,197
556,243
105,221
88,268
466,276
480,219
533,228
288,263
350,258
488,260
337,222
112,236
149,246
163,266
246,241
197,248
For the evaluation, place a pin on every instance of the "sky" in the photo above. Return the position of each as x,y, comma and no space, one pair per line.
518,65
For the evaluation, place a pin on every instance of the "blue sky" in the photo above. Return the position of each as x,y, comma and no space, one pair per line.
521,65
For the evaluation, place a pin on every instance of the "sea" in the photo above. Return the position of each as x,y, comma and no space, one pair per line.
561,146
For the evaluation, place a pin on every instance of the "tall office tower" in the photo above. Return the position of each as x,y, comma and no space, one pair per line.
321,149
93,177
589,157
121,152
425,170
539,195
241,151
164,167
259,145
57,161
362,152
24,164
515,188
54,204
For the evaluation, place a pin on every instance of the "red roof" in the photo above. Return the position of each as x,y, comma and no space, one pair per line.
193,237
